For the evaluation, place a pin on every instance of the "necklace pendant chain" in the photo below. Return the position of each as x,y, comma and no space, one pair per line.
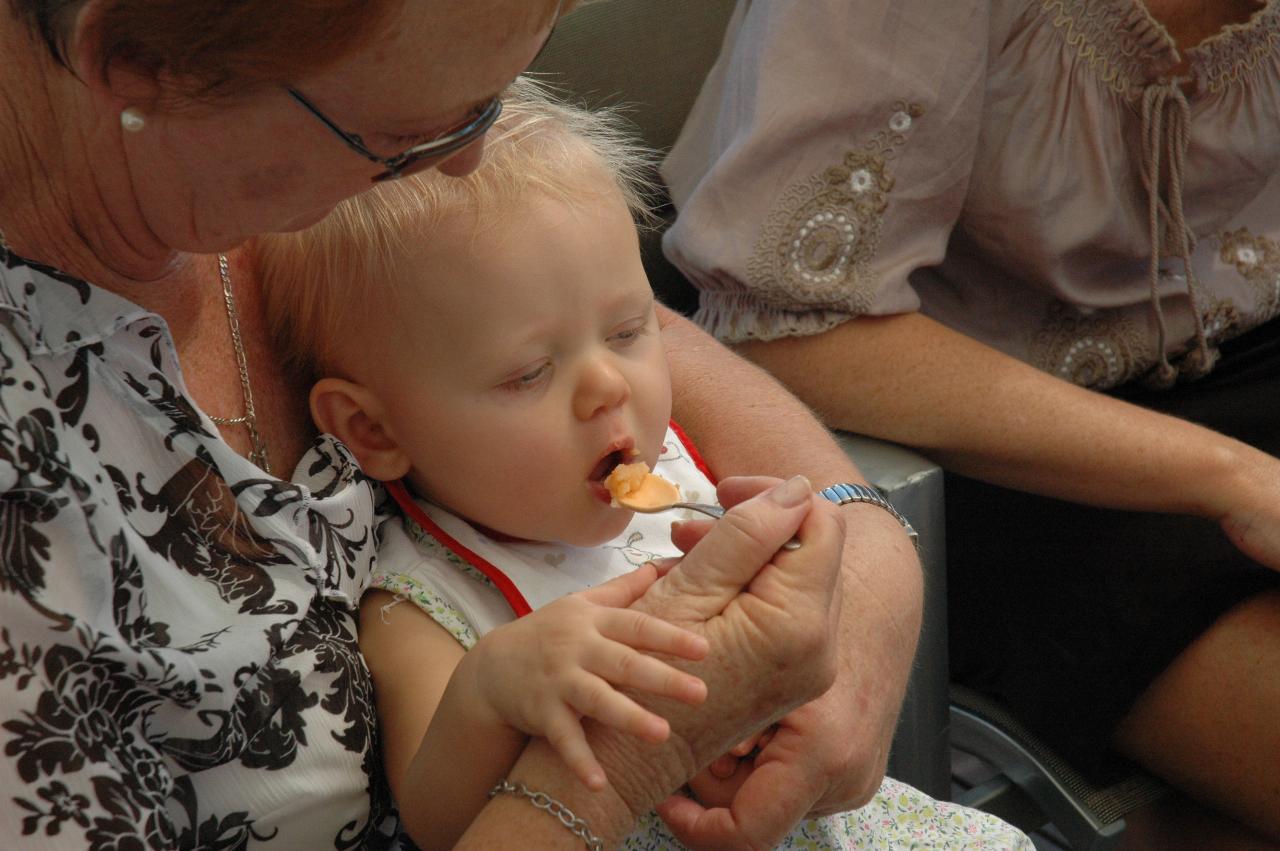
249,419
258,454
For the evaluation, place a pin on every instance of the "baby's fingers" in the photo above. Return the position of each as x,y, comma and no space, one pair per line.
622,591
564,734
653,634
595,698
623,667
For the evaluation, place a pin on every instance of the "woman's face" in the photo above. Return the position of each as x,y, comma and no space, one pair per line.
207,178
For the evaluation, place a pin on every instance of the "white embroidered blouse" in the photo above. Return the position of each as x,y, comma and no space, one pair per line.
996,165
178,664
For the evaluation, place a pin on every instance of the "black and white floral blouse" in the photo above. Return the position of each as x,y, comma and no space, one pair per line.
178,662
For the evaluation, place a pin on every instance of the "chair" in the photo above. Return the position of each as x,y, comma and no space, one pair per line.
650,57
1035,786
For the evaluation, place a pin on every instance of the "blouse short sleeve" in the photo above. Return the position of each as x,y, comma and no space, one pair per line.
827,157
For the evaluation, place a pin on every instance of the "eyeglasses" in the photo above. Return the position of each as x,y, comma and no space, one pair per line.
420,156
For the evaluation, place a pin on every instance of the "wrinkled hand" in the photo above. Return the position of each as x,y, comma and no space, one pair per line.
791,778
545,671
802,769
770,616
718,783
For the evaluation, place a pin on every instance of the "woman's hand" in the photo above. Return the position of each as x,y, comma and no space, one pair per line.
718,783
1250,509
542,673
770,616
804,765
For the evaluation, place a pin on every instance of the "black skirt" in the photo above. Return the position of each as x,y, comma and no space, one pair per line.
1067,613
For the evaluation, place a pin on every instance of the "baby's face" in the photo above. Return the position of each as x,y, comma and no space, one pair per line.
529,364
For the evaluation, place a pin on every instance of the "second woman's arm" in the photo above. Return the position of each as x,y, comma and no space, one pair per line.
980,412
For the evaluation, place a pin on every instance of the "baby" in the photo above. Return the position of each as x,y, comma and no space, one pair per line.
489,347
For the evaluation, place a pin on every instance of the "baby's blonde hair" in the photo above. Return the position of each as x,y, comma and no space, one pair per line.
316,282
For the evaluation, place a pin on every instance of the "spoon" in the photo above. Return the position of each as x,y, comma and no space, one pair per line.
656,494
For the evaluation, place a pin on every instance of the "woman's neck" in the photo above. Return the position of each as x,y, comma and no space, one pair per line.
1190,22
65,196
66,200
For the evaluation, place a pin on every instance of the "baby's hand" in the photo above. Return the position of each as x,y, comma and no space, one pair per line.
543,672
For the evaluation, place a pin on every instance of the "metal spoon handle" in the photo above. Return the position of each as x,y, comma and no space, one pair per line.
718,512
701,507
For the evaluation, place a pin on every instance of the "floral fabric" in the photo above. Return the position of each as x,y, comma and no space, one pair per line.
178,663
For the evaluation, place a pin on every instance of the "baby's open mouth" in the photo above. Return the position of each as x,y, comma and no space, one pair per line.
606,464
619,452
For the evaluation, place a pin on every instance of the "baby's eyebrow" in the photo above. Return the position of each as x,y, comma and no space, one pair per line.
636,301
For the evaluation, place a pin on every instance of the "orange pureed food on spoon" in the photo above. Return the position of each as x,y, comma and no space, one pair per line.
633,486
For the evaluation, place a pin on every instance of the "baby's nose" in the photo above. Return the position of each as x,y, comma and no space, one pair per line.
601,388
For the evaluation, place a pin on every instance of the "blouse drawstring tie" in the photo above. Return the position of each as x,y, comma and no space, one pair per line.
1166,116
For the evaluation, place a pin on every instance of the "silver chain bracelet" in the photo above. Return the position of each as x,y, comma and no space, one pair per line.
545,802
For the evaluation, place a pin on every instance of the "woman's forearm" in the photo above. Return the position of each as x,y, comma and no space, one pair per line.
745,423
909,379
742,420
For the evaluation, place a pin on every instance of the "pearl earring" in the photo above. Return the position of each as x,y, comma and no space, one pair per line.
131,120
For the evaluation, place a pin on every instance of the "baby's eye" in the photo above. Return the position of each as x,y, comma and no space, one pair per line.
627,335
530,379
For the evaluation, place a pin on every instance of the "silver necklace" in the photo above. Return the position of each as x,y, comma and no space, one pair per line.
249,419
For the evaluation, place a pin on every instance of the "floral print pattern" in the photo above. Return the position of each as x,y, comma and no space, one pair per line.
816,245
178,664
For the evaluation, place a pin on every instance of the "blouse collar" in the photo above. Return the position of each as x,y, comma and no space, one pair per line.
57,312
1132,50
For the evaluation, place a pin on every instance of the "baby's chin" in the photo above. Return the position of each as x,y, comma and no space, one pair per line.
600,533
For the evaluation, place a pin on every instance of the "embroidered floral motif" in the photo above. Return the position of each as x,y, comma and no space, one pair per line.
1257,259
1100,350
816,244
1221,321
1105,348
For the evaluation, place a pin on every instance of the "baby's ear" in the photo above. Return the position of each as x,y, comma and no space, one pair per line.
353,414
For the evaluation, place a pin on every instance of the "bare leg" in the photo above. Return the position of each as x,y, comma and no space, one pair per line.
1177,823
1210,724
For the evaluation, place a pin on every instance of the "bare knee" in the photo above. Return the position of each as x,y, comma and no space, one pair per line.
1207,724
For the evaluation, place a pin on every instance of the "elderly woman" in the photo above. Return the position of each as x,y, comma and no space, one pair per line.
1039,240
178,558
